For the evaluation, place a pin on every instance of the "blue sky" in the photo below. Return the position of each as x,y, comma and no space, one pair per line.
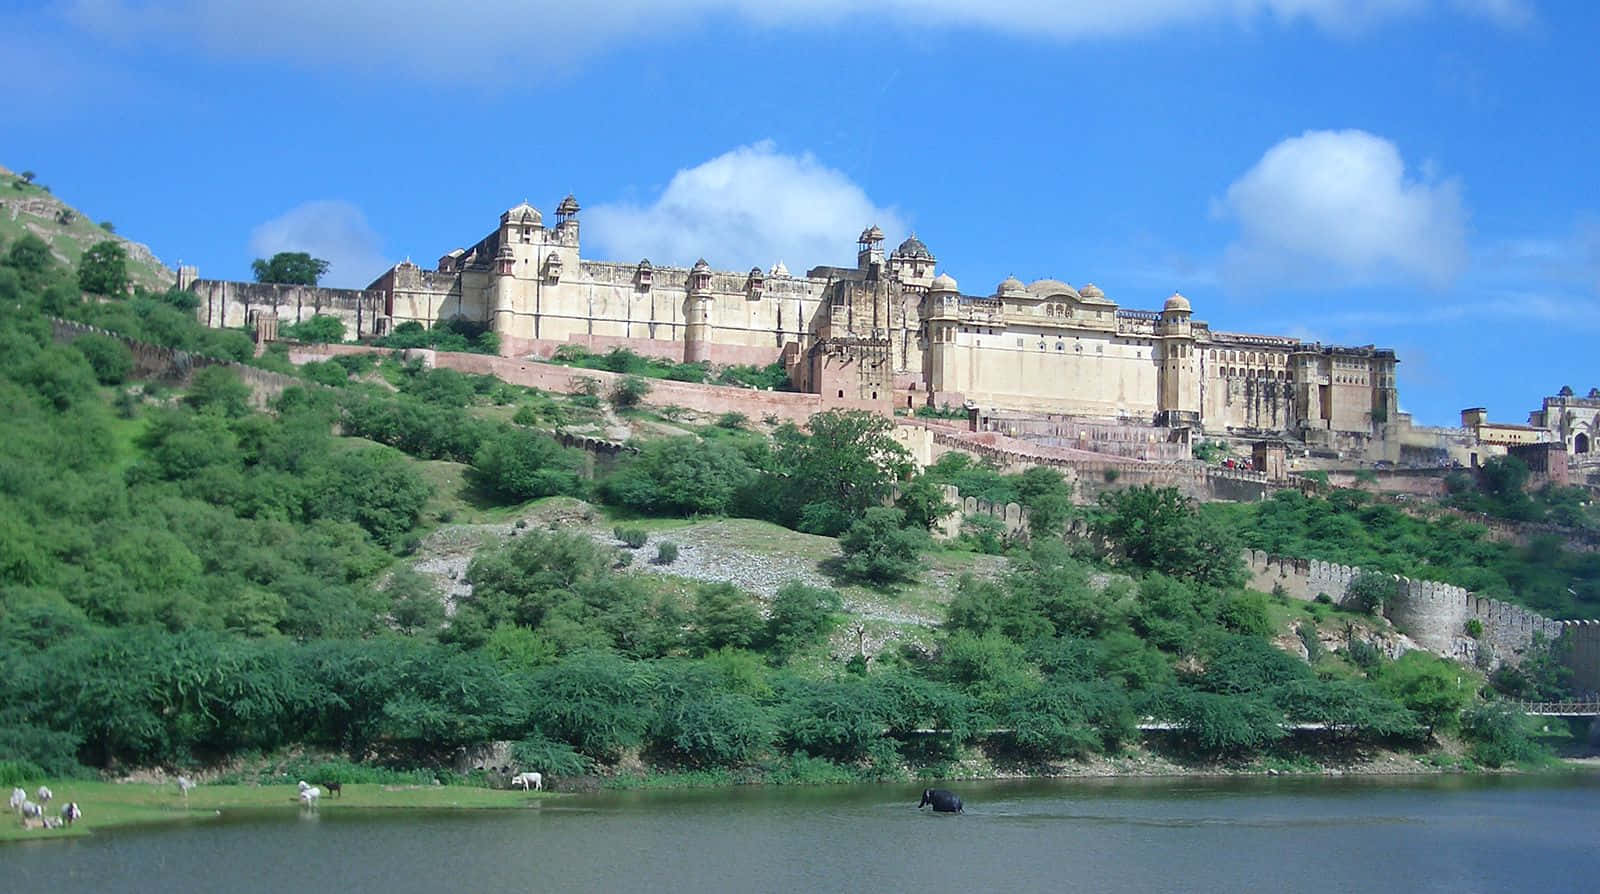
1420,174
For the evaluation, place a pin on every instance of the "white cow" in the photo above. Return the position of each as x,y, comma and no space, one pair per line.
45,794
309,794
70,813
18,796
529,781
31,810
184,784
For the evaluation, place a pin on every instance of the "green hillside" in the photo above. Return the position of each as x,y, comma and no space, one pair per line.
30,208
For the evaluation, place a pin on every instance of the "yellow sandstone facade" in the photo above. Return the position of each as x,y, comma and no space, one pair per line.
892,332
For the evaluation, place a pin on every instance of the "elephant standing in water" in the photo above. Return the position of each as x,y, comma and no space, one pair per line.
943,800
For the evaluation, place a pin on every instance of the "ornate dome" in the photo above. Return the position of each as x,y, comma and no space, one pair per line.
944,282
1049,288
1091,294
913,248
701,266
778,270
569,205
1177,302
645,264
1010,286
871,234
523,214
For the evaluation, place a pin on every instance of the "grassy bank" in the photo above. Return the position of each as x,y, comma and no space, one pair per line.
107,805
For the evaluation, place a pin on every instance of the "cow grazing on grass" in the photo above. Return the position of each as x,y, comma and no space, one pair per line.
528,781
70,813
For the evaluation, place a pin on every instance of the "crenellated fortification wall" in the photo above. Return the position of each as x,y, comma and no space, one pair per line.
1435,614
225,303
1012,515
178,367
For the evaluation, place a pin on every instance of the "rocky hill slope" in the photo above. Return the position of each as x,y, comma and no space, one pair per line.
30,208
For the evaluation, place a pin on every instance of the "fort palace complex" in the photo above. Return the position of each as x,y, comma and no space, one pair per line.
888,332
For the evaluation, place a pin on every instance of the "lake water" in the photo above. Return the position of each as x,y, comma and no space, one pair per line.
1456,835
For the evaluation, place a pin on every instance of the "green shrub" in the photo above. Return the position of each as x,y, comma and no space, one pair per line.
877,549
633,537
629,392
319,329
1364,654
110,358
666,553
17,773
1308,638
733,421
1499,735
1474,628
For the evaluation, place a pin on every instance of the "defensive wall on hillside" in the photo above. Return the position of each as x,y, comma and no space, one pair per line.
178,367
786,406
226,304
1091,473
1436,614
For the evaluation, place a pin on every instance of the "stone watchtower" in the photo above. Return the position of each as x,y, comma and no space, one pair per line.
1178,394
697,314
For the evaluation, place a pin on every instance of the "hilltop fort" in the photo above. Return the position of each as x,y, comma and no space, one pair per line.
888,332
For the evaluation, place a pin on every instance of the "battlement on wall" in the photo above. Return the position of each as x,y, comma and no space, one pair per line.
1434,613
178,367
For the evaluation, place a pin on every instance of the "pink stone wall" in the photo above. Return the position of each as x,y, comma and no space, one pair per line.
786,406
660,348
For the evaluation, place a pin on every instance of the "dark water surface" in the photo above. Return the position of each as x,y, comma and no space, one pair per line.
1457,835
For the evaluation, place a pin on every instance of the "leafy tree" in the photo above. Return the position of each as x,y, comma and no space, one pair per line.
725,617
1048,499
1432,688
878,549
414,602
827,479
680,476
110,358
108,226
1499,735
1223,724
598,702
28,176
1370,591
375,488
716,728
218,388
628,392
30,254
801,616
1159,528
290,268
923,502
104,269
522,465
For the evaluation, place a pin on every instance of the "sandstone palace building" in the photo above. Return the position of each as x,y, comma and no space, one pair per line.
890,331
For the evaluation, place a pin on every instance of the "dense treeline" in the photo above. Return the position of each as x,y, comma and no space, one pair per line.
184,579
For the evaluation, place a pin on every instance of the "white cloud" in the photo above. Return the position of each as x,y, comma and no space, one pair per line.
752,206
1337,208
333,230
443,38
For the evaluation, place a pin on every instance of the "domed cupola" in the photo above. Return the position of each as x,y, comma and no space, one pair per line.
913,249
